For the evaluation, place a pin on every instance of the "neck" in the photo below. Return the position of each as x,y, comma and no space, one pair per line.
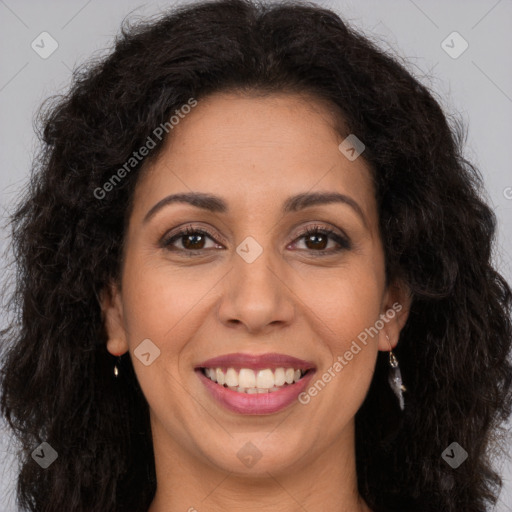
314,482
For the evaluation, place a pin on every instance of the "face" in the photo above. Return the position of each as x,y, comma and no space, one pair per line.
248,279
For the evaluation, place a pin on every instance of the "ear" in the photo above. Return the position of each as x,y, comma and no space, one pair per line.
112,312
396,307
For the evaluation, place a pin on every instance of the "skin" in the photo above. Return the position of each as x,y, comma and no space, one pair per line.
254,152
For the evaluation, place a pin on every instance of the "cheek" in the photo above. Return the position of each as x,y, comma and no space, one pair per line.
166,306
351,348
163,313
159,302
346,301
345,309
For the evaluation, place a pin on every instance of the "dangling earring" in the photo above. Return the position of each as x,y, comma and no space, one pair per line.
395,378
116,367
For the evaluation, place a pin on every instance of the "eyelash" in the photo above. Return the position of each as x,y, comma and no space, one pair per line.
315,230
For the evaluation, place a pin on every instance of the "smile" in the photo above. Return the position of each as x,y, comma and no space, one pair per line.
255,383
255,400
246,380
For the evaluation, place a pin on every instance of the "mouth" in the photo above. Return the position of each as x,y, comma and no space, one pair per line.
249,381
247,384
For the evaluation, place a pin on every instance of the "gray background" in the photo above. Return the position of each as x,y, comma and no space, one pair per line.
478,84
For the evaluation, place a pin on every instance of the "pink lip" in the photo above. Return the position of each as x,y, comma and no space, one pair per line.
256,362
257,403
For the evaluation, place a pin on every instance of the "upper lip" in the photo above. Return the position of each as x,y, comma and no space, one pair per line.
256,362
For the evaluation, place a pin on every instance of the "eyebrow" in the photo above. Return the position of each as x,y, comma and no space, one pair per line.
295,203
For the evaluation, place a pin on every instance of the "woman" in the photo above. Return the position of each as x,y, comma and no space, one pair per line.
254,274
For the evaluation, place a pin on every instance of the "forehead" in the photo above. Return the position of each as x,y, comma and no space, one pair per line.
254,150
294,126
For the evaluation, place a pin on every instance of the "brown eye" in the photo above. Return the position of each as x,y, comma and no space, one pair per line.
317,239
194,240
191,239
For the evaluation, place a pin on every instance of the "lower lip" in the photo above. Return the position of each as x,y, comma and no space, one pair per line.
256,403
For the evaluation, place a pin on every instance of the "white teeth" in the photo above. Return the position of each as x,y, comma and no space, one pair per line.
249,381
247,378
265,379
279,378
231,377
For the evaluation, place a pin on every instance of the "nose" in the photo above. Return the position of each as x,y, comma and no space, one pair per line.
257,296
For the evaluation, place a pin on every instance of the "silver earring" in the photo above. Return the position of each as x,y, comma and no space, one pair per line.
395,378
116,369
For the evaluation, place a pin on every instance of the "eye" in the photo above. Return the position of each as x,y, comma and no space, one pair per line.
191,240
317,239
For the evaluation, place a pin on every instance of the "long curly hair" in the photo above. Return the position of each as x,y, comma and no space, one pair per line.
437,230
